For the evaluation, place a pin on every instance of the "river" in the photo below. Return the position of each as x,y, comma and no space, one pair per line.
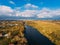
34,37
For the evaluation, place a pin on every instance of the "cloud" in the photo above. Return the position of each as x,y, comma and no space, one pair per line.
11,2
44,13
36,12
30,6
27,12
8,11
48,13
5,10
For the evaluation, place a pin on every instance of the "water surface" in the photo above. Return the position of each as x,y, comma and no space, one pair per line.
36,38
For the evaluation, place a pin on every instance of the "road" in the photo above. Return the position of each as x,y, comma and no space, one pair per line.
35,38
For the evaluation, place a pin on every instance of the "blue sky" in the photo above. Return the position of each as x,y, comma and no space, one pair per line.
30,8
40,3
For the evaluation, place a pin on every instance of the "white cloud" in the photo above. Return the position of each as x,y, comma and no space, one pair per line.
26,13
5,10
48,13
42,13
30,6
12,2
8,11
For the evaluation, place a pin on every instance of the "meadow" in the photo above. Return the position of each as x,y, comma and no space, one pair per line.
49,28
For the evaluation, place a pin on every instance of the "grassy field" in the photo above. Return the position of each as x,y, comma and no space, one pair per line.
49,28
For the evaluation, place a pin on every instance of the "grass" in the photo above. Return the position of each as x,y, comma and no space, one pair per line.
51,29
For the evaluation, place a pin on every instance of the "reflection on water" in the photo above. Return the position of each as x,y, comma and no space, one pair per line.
36,38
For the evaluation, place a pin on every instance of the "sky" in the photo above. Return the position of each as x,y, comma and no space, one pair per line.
30,8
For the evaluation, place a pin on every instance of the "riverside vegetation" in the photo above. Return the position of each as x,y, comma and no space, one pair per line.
11,33
49,28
